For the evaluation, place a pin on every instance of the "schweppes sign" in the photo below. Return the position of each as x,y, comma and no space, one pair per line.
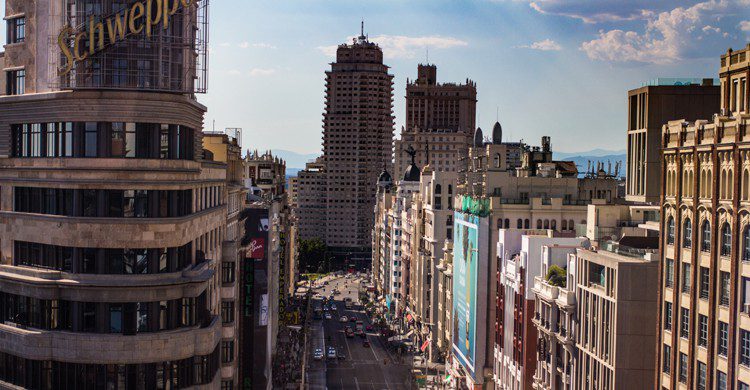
142,17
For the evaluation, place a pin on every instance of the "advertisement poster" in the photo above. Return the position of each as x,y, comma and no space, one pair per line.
263,320
256,248
465,242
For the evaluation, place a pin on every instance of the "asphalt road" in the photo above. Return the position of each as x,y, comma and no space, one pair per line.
363,367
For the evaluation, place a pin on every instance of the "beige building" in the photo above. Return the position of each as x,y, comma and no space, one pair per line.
649,107
265,174
704,290
310,212
113,225
357,145
440,121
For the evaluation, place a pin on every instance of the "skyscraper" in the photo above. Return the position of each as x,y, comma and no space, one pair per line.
357,144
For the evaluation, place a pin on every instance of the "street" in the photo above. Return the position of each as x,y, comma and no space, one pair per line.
373,367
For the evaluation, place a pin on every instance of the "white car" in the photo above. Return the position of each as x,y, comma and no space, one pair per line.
328,316
331,353
318,354
343,319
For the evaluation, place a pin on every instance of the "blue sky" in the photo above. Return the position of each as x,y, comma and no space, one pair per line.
552,67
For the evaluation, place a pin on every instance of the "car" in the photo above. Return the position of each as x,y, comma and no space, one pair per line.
331,353
368,327
318,354
343,319
353,319
363,335
328,316
334,308
366,343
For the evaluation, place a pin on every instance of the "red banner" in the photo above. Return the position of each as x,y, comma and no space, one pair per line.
256,248
424,345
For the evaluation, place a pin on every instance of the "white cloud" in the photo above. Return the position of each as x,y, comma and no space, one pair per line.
709,29
234,72
667,36
257,45
260,72
600,11
745,25
399,46
545,45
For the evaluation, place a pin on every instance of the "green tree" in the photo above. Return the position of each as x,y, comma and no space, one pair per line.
313,255
556,276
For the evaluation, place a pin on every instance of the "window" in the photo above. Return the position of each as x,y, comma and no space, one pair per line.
683,368
726,240
15,82
706,237
686,277
702,330
669,273
668,315
704,283
16,30
721,381
724,286
700,377
227,385
684,323
687,234
746,244
666,359
227,312
744,348
742,386
90,139
227,272
670,231
227,351
723,333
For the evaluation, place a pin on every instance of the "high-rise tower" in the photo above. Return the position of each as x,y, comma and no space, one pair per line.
357,143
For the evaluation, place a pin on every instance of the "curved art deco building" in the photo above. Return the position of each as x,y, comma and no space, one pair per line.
111,225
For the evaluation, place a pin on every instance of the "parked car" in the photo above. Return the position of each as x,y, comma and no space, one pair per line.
343,319
328,316
318,354
353,319
366,343
331,353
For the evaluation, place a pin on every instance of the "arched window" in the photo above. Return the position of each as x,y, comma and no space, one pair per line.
450,189
564,224
746,244
553,224
438,189
526,223
538,223
519,223
687,233
507,223
670,231
745,188
571,224
546,223
499,223
706,237
726,240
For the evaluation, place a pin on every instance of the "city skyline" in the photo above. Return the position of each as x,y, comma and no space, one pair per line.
269,81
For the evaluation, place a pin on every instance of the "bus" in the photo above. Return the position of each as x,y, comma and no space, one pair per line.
360,327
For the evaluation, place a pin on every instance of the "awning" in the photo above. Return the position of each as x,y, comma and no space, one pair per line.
424,345
408,317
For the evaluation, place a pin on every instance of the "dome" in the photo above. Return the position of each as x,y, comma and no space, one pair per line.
384,177
412,173
497,134
478,138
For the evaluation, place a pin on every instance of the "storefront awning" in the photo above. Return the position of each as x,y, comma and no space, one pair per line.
425,345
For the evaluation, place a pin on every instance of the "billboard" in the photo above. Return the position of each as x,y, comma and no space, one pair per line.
465,259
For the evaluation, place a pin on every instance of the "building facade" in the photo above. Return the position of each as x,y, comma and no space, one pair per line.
440,120
265,174
310,212
704,290
357,144
650,107
112,223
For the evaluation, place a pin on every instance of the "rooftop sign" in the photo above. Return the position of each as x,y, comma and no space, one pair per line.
139,18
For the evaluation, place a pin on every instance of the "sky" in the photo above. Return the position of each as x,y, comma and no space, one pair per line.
546,67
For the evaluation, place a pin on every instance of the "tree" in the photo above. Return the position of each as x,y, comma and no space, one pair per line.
556,276
313,255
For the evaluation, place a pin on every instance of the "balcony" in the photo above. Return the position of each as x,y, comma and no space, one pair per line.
566,298
544,290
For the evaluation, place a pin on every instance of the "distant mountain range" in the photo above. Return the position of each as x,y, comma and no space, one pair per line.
296,161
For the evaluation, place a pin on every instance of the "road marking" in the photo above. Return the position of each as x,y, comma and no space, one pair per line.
356,383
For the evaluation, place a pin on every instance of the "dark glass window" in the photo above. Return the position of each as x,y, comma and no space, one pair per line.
723,336
685,277
746,244
744,348
724,288
702,330
15,82
666,359
704,283
670,231
228,272
687,234
668,315
669,273
684,323
726,240
721,381
91,139
683,368
227,351
700,377
227,312
16,30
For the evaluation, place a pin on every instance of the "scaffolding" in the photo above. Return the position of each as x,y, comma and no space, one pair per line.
170,60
